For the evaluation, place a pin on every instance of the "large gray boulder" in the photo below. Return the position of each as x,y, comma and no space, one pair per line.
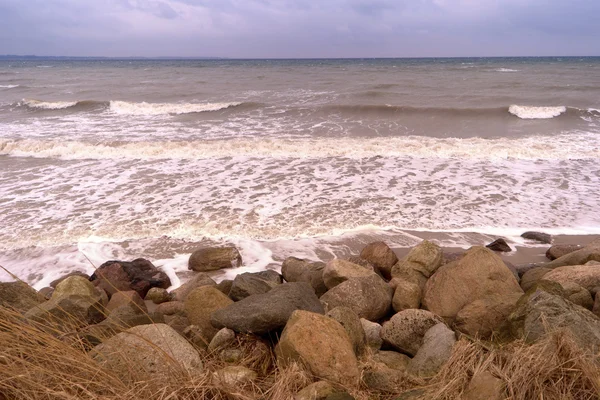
297,270
480,273
381,257
262,313
321,344
214,258
539,312
435,351
405,330
148,350
250,283
19,296
337,271
369,297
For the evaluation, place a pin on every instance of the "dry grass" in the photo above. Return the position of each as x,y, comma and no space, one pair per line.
37,364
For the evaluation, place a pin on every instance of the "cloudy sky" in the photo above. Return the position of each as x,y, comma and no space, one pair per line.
300,28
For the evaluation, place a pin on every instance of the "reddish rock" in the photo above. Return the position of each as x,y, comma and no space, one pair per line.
381,257
139,275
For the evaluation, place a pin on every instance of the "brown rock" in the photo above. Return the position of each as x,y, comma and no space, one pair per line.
419,264
559,250
126,299
351,324
337,271
372,333
250,283
590,252
480,273
482,317
587,276
405,330
315,391
538,237
532,276
392,359
369,297
55,282
158,295
297,270
381,378
19,296
200,304
406,295
381,257
139,275
486,386
199,280
578,295
225,286
171,308
322,344
214,258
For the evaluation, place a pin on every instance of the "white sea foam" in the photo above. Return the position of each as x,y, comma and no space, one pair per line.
143,108
563,147
49,105
533,112
8,86
507,70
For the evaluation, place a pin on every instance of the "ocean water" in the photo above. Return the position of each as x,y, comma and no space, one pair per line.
310,158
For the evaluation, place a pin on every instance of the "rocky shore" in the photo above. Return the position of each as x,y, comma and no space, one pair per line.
431,324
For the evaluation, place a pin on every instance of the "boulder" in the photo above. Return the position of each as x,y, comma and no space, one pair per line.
337,271
538,237
214,258
68,312
381,257
75,285
486,386
222,339
55,282
369,297
419,264
177,322
130,315
482,317
480,273
381,378
372,334
171,308
46,292
225,286
596,307
139,275
499,245
539,312
435,351
532,276
297,270
406,295
587,276
197,281
126,299
591,252
392,359
200,304
321,344
147,350
250,283
578,295
234,376
559,250
405,330
262,313
351,324
158,295
19,296
315,391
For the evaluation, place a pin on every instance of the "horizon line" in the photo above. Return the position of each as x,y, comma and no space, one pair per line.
8,56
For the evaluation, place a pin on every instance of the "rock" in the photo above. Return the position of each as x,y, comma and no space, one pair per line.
262,313
214,258
320,343
225,286
55,282
369,297
171,308
499,245
486,386
532,276
538,237
249,283
45,291
413,394
559,250
177,322
392,359
419,264
578,295
153,349
130,315
222,338
75,285
406,295
158,295
234,376
68,312
297,270
196,336
539,312
435,351
351,324
587,276
448,257
139,275
596,307
591,252
379,377
482,317
363,263
478,274
405,330
372,333
339,396
200,304
381,257
596,263
315,391
19,296
199,280
126,299
337,271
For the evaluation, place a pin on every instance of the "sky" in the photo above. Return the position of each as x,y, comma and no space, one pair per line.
300,28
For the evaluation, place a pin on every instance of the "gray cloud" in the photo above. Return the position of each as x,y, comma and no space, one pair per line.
299,28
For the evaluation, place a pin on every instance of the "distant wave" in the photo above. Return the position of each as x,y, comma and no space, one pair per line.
143,108
48,105
9,86
534,112
566,146
506,70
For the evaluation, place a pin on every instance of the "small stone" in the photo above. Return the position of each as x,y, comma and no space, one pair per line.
158,295
315,391
405,330
372,333
499,245
214,258
234,376
538,236
171,308
392,359
222,339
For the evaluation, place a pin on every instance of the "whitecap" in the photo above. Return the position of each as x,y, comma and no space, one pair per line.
506,70
9,86
143,108
535,112
48,105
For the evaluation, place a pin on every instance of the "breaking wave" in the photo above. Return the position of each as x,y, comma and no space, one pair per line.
531,112
143,108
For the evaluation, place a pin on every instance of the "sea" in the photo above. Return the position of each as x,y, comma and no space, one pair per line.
119,159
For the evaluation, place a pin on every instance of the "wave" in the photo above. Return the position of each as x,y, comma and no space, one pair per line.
506,70
9,86
143,108
575,146
62,105
533,112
